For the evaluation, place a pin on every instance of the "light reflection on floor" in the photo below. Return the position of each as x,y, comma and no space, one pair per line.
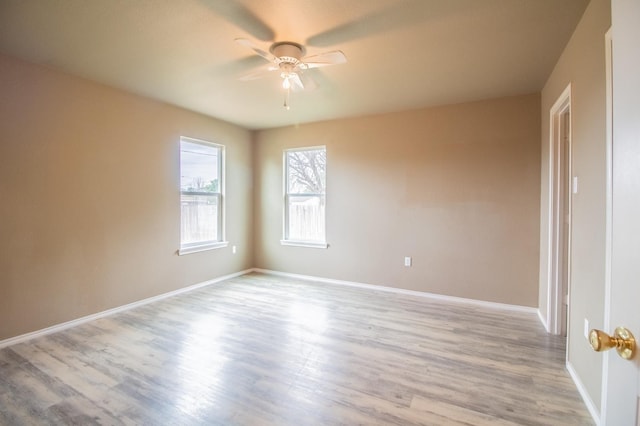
311,317
201,364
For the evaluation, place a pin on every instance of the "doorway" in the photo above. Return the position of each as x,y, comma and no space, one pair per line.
561,188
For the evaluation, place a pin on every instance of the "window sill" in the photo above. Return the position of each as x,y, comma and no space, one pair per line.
310,244
202,247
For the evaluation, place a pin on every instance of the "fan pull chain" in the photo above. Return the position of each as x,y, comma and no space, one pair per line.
286,99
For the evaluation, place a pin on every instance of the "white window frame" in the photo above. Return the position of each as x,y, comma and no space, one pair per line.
285,223
198,246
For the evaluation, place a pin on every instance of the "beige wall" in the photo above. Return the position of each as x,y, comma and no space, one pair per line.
90,213
455,187
583,65
89,190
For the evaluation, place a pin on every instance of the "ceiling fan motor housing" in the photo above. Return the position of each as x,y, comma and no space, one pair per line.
287,51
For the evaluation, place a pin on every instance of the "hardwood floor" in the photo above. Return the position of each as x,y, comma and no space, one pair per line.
266,350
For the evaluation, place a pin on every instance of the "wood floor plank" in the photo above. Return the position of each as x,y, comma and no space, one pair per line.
266,350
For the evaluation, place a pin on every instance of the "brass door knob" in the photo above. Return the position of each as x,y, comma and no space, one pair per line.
622,340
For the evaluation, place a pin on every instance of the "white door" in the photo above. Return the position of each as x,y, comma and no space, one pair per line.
620,402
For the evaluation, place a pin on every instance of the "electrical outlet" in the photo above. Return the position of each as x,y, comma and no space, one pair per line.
233,249
586,329
407,261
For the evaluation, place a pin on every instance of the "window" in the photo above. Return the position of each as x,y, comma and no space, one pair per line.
201,195
304,198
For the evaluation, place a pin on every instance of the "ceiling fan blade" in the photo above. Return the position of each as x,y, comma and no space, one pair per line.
238,14
334,57
251,45
240,66
308,82
259,73
408,13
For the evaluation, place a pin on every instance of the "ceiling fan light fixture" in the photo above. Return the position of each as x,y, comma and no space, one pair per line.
286,84
289,58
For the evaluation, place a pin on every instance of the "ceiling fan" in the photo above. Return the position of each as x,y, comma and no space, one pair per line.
288,59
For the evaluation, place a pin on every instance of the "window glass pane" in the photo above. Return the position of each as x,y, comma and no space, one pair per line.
199,218
199,167
201,202
306,218
306,171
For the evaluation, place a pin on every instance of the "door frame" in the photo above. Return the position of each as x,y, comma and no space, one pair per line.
608,215
555,296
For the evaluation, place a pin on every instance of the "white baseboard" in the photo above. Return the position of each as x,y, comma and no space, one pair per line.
63,326
593,410
441,297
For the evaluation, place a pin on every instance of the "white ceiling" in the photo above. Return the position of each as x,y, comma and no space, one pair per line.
402,54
